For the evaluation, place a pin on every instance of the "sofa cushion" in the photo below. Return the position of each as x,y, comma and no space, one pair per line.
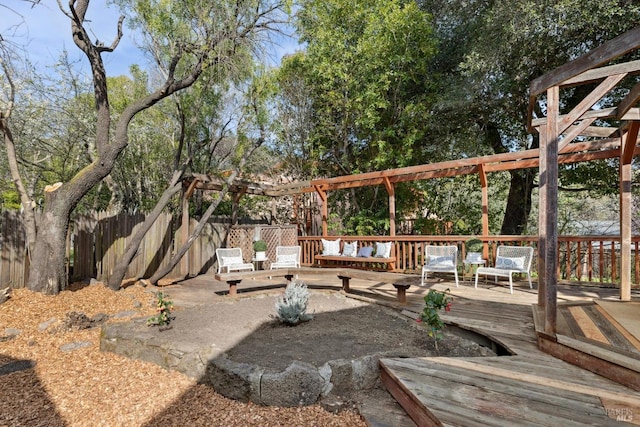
350,249
440,261
331,247
383,249
510,263
365,251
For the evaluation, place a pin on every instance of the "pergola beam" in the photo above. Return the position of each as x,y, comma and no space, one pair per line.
601,55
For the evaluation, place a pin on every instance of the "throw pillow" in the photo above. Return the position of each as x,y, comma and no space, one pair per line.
383,250
232,260
507,263
350,249
440,261
290,259
331,247
365,251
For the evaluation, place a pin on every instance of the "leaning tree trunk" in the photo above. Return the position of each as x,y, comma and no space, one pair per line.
518,207
117,276
162,272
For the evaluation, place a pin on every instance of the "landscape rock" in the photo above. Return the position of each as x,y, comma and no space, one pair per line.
299,385
75,346
45,325
4,294
238,381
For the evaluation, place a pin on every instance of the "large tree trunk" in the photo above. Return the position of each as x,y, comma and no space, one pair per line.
518,208
185,247
47,271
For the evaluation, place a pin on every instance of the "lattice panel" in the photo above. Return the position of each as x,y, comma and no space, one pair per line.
242,237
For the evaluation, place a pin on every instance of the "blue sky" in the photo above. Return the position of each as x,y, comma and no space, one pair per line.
48,32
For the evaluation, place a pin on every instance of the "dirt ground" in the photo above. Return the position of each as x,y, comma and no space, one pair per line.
341,328
52,372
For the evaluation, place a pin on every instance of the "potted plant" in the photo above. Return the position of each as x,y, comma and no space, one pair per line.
474,249
260,248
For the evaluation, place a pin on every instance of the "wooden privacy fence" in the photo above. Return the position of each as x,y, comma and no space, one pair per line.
13,260
97,241
582,259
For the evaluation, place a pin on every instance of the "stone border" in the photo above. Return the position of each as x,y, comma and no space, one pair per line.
300,384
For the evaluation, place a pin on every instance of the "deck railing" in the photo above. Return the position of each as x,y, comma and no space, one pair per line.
581,259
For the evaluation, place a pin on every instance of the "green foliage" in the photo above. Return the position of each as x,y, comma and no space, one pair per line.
164,306
368,223
260,246
10,200
367,81
144,168
598,177
291,308
474,245
489,52
434,302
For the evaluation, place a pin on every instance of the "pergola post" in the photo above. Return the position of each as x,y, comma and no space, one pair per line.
542,218
392,206
549,190
184,228
627,148
325,209
484,187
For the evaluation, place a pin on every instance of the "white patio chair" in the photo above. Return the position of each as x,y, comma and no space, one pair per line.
287,257
232,260
440,259
509,260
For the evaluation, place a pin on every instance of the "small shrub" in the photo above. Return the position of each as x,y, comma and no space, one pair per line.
260,246
474,245
291,308
434,302
164,307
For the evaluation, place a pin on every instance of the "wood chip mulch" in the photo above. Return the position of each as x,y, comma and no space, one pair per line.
54,374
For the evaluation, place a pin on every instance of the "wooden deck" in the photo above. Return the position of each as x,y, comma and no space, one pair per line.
529,387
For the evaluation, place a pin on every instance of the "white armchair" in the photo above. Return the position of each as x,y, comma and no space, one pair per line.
510,260
287,257
231,259
440,259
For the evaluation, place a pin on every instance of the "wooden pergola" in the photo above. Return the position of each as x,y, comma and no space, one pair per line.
559,129
565,138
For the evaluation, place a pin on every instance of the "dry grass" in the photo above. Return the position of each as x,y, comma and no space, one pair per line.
86,387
